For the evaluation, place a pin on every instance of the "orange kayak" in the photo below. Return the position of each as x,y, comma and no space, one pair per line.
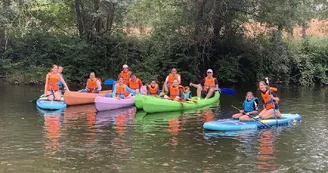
79,98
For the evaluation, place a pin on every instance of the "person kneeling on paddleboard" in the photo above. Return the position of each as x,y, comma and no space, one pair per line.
250,108
270,100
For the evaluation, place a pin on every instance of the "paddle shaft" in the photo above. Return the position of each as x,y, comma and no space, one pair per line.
39,97
252,117
274,109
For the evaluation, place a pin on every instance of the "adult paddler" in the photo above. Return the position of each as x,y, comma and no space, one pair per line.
207,87
170,78
51,87
120,89
93,84
125,74
175,92
135,83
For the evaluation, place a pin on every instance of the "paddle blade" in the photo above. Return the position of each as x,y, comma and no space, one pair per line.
274,89
109,82
228,91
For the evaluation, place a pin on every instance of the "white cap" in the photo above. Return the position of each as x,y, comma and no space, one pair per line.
210,70
125,66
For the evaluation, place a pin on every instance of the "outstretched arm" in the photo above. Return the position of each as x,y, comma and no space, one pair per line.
130,90
63,81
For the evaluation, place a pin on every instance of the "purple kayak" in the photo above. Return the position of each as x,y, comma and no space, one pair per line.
107,103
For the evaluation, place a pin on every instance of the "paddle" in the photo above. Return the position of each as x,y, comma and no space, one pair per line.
228,91
253,118
274,109
38,98
109,81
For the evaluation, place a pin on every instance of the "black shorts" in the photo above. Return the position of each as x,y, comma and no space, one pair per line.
204,94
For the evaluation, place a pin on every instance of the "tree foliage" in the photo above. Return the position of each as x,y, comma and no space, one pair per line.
153,36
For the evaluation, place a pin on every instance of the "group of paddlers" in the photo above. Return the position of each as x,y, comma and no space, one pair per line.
129,84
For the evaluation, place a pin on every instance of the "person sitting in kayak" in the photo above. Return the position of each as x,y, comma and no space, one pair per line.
125,74
93,84
270,100
250,108
60,70
187,93
153,89
51,87
135,83
207,87
170,78
120,90
175,92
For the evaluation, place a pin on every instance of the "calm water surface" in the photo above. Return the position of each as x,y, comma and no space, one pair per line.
124,140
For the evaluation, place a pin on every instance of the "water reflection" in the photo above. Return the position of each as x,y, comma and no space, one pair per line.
261,142
266,160
52,123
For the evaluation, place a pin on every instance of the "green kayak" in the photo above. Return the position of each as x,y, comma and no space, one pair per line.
138,100
155,104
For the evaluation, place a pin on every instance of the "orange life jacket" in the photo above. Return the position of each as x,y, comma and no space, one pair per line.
268,101
120,89
153,91
175,91
92,85
125,76
209,83
53,82
134,84
171,78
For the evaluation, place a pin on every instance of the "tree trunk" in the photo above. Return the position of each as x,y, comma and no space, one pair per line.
3,36
304,28
79,18
199,16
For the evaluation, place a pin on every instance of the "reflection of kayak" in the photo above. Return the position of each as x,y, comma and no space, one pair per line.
79,98
162,117
44,103
80,109
107,103
155,104
104,118
243,133
50,112
139,116
235,125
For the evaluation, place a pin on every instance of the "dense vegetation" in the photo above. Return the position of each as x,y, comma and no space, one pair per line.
192,35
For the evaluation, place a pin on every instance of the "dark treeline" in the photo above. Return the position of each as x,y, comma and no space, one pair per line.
152,36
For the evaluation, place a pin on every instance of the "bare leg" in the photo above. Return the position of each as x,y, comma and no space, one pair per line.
268,114
209,94
199,89
245,118
50,97
278,114
262,112
236,116
57,95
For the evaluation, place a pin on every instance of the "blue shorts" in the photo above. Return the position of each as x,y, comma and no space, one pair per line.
85,91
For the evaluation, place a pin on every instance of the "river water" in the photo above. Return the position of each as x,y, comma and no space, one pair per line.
124,140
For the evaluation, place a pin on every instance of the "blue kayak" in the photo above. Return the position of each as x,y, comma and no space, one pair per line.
44,103
236,125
